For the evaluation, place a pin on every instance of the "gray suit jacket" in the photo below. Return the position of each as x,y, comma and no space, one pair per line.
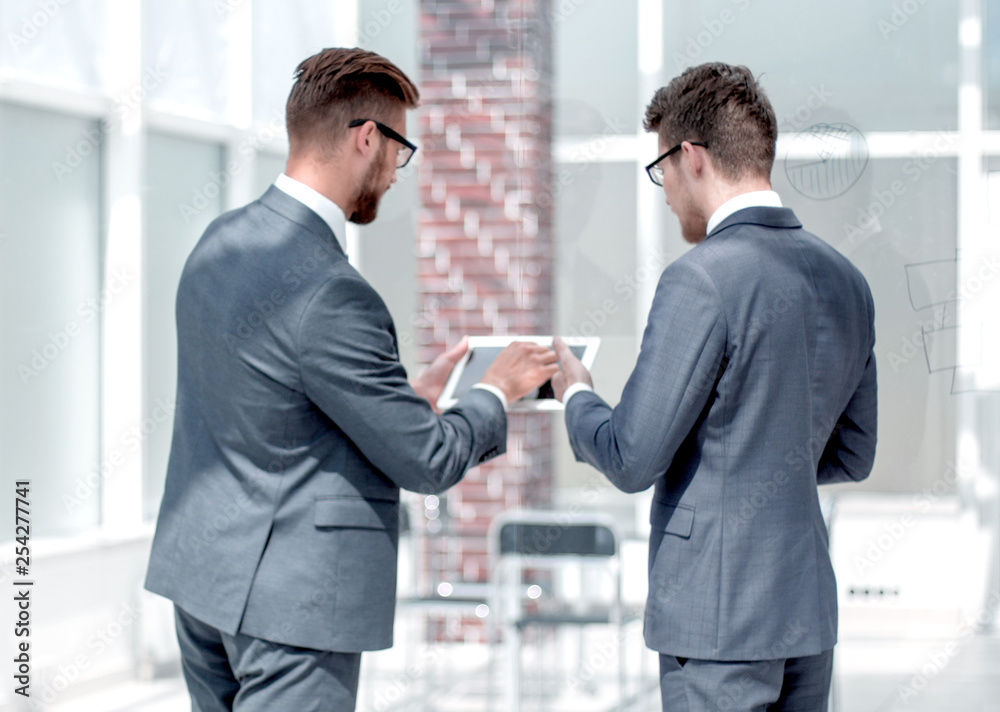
755,382
295,428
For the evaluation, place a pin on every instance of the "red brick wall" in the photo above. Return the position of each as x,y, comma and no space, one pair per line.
485,235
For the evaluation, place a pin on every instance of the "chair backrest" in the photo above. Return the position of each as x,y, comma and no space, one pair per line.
534,539
580,550
531,534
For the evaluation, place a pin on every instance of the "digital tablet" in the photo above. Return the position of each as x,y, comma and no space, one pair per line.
483,349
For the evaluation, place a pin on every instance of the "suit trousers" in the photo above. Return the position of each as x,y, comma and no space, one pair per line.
240,673
789,685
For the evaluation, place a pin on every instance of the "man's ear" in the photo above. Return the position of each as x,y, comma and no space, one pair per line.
364,140
695,159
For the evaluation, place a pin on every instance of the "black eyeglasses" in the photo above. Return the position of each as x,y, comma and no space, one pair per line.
655,171
404,154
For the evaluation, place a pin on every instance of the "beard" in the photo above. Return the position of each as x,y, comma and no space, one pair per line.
369,195
693,228
693,222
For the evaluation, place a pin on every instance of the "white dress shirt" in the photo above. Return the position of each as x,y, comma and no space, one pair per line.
753,199
321,205
575,388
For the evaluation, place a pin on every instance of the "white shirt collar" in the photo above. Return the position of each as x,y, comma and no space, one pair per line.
321,205
753,199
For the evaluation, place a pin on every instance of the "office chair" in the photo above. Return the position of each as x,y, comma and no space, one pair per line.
529,546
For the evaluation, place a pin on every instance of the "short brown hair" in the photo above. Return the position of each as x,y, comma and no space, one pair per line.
723,106
335,86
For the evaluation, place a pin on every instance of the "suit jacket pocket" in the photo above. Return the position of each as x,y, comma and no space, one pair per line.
676,519
356,513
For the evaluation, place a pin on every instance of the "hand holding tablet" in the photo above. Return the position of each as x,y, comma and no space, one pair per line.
520,368
485,350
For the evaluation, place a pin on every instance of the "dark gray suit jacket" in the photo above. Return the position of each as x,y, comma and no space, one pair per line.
295,428
755,382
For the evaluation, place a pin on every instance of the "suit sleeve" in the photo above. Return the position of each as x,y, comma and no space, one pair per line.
682,350
850,452
350,369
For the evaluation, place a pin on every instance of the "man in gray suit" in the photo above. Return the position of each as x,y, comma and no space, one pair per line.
296,427
754,383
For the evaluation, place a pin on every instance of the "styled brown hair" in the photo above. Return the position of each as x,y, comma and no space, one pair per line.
723,106
336,86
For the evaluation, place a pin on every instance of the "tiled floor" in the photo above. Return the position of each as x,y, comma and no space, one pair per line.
872,677
933,677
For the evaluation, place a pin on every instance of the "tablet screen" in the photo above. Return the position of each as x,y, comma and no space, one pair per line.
480,358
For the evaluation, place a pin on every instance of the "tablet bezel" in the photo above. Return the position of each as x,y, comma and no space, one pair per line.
448,400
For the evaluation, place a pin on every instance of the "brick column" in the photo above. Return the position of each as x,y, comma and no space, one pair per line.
485,237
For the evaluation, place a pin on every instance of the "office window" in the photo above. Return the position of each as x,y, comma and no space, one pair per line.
51,301
58,42
581,65
284,35
184,193
596,254
991,62
185,46
268,167
875,65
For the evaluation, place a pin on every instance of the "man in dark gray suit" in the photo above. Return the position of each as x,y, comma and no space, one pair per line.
296,427
754,383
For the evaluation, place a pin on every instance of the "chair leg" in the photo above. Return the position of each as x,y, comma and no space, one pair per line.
492,641
621,666
513,645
